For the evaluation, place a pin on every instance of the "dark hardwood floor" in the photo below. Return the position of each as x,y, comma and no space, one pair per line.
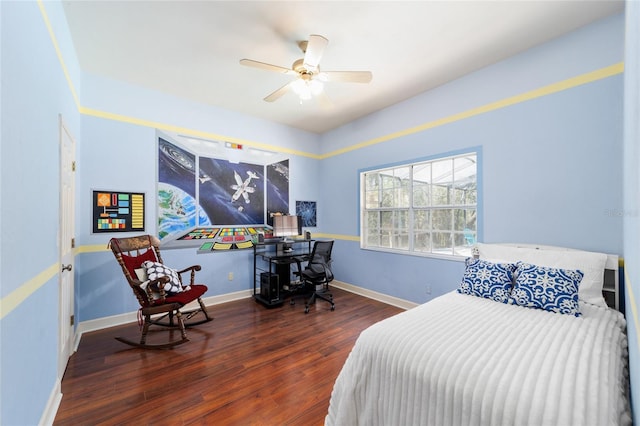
249,366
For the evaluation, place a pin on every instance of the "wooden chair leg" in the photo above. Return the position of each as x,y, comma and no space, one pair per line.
183,329
204,309
195,312
145,329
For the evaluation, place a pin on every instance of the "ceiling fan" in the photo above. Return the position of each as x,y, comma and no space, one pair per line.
310,79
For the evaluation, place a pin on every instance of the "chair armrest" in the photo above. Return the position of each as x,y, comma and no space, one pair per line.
193,269
190,268
298,260
154,290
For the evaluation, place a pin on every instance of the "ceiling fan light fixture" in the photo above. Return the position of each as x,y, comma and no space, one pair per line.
306,89
310,80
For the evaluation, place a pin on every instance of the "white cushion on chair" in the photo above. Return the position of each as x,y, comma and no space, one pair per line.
141,273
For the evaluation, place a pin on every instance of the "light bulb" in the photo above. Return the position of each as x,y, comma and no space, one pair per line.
298,86
305,89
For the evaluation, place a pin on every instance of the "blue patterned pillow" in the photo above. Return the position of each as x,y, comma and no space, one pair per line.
551,289
486,279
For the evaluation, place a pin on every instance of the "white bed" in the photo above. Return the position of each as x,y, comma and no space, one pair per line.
466,360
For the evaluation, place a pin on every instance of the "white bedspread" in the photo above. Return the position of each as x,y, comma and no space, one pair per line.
464,360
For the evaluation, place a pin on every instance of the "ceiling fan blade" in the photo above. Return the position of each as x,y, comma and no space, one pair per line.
315,49
278,93
346,76
268,67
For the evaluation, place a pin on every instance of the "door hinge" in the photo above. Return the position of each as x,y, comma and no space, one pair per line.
71,320
73,243
73,166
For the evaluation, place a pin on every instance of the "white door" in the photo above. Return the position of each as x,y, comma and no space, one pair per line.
66,246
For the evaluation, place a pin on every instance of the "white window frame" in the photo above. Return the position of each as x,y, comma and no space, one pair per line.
400,212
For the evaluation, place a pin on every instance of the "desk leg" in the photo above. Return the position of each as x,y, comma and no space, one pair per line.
283,270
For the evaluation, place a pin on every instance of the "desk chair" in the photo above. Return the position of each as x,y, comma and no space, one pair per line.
318,272
162,293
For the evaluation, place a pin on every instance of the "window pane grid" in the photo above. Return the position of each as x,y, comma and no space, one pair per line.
427,207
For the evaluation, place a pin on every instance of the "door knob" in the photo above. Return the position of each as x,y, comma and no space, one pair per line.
67,267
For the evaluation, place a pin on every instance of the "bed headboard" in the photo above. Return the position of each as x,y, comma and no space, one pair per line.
611,288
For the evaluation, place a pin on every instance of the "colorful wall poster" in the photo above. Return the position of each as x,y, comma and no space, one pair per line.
195,191
118,211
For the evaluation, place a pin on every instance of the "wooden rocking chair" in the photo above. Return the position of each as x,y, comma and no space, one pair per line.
156,304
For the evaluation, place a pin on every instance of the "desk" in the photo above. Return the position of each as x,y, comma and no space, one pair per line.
272,269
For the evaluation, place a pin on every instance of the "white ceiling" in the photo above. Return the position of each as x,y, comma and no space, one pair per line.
191,49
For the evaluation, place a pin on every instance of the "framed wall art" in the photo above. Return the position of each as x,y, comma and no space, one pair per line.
115,211
307,211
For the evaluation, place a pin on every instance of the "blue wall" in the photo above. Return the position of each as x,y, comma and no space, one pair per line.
551,170
551,165
34,92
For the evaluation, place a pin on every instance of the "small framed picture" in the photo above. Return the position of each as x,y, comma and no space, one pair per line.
307,212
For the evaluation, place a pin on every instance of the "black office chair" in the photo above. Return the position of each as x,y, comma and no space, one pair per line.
318,272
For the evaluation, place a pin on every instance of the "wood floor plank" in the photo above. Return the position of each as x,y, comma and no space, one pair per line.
249,366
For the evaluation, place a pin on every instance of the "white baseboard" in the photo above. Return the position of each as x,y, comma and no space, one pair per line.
50,411
381,297
129,317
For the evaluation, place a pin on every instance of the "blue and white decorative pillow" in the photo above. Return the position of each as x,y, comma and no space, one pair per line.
551,289
156,270
486,279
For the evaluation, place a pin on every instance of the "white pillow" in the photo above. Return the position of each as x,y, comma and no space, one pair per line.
591,264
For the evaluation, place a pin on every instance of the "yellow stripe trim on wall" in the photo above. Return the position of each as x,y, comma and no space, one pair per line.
59,53
513,100
91,249
22,293
336,237
190,132
543,91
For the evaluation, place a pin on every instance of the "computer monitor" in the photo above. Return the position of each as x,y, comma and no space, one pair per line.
287,226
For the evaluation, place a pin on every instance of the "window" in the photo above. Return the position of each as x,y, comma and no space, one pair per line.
428,207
